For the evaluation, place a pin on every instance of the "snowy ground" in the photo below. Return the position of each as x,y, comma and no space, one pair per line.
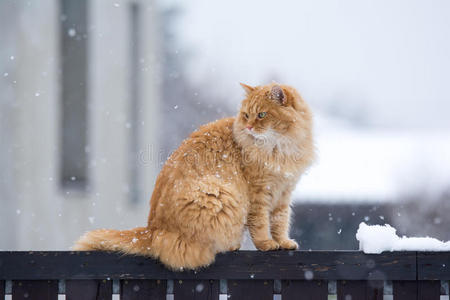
374,165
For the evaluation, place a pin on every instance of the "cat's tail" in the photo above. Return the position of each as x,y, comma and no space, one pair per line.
171,248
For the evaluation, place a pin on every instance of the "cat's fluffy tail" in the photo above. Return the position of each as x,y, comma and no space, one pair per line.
173,251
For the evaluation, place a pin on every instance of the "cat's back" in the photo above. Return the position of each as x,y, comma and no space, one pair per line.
221,127
209,149
214,136
207,160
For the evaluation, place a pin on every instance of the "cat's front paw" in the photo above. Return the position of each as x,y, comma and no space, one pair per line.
288,244
235,248
266,245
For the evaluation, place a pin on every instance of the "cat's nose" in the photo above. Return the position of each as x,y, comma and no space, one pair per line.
249,127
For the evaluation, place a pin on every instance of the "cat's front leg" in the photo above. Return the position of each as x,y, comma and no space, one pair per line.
258,225
279,227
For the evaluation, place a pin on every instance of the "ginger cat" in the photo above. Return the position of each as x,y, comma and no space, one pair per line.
227,174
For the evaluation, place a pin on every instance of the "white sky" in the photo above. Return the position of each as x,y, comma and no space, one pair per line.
391,57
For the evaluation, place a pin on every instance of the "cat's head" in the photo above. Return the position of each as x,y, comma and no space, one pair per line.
272,114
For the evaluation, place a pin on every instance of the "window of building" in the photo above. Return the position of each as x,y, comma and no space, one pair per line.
134,103
74,120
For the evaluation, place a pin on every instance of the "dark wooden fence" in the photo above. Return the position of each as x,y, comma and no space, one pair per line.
315,275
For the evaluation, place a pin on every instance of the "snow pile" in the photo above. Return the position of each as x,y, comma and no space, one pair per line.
378,238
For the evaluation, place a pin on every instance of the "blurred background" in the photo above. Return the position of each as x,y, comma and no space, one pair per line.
95,94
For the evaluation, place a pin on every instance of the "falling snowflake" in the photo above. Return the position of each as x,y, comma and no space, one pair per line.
309,275
199,288
72,32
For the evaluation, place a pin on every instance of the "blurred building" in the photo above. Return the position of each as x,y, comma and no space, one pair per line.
79,103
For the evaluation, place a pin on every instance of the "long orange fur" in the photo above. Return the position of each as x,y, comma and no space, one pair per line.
228,174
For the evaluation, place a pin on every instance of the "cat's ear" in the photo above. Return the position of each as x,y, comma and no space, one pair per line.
277,94
248,89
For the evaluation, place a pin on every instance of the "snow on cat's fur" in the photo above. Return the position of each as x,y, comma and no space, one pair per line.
228,174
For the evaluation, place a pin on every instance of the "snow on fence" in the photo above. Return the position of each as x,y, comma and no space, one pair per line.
346,275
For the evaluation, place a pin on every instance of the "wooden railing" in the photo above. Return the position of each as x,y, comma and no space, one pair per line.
315,275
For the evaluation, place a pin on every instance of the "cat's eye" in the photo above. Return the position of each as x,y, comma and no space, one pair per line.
262,115
246,115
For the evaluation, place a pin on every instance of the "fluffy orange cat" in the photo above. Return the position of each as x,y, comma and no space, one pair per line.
228,174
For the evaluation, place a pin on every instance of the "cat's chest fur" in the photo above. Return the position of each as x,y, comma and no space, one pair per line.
270,174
